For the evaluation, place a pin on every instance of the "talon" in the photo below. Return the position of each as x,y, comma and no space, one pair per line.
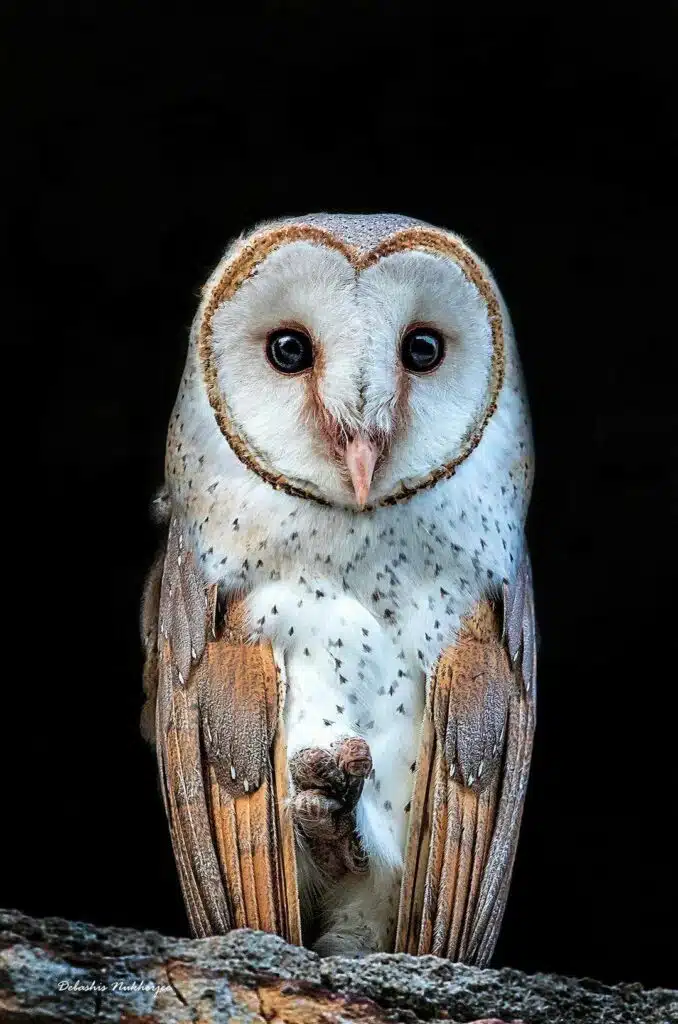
353,756
314,806
315,768
357,860
313,812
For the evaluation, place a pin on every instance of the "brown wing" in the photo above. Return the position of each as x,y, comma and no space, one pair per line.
469,789
221,754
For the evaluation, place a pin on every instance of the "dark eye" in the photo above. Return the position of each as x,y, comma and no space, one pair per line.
423,350
289,350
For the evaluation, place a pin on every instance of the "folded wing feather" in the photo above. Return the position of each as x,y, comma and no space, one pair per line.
470,782
220,747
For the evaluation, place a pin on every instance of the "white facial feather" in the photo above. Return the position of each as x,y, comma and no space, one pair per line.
415,287
357,323
304,285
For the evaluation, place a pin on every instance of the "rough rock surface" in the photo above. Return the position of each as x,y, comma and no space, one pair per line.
56,970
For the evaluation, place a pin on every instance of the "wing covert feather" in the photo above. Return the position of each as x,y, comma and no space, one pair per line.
218,730
470,783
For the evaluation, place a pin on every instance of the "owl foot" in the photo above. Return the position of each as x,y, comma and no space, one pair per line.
339,772
328,784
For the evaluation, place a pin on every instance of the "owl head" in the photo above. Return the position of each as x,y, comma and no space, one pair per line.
351,359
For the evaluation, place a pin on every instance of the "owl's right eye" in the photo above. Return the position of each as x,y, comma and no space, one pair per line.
289,350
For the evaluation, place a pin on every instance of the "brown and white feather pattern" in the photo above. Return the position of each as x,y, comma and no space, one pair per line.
216,719
367,614
470,785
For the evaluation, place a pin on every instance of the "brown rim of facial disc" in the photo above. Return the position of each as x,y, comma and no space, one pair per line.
422,239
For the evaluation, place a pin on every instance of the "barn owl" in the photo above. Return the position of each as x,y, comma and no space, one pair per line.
339,630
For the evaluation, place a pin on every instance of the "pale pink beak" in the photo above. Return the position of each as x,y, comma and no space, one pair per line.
361,457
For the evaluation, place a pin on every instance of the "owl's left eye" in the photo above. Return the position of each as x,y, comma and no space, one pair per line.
289,350
422,350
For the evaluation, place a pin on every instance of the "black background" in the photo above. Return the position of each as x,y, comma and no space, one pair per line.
138,145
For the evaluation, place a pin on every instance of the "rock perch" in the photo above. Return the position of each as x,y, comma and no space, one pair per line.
53,970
